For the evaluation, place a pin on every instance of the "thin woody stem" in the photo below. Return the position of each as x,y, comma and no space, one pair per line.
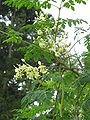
78,41
59,14
61,103
3,32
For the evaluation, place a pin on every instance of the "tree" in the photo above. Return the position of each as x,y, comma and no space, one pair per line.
60,88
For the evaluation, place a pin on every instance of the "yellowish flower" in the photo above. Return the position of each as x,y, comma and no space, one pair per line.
30,71
36,75
39,32
23,60
36,13
56,54
42,45
67,53
39,62
42,68
51,101
16,70
61,49
30,75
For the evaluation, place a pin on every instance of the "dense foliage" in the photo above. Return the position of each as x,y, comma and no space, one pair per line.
54,82
10,95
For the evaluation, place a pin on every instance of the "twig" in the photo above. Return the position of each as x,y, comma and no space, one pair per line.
80,64
58,18
3,32
82,89
78,41
62,96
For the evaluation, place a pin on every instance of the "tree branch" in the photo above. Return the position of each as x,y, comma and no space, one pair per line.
3,32
78,41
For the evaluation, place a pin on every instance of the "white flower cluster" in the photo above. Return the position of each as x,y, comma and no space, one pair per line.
57,47
30,71
46,38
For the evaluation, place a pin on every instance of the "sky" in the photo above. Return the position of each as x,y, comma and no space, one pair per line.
81,12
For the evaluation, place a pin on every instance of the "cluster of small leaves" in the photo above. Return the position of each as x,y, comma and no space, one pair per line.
71,3
85,78
13,36
33,111
87,42
33,51
70,22
42,21
28,4
42,94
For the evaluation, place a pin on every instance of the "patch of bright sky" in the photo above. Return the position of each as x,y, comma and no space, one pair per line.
81,12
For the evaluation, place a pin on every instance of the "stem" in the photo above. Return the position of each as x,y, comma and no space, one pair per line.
78,96
82,89
62,97
10,50
77,102
61,103
78,41
58,18
80,64
3,32
12,26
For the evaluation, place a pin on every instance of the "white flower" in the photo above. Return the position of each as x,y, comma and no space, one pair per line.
39,62
39,32
22,60
36,13
42,45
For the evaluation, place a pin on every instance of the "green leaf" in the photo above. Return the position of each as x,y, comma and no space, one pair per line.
78,1
84,2
63,0
28,55
72,8
49,5
47,56
67,5
36,56
69,23
63,26
71,2
36,5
